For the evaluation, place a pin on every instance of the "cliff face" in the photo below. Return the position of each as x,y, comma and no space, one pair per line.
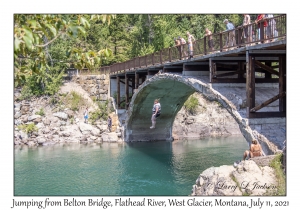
210,119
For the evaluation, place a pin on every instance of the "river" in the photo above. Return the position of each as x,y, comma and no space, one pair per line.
140,168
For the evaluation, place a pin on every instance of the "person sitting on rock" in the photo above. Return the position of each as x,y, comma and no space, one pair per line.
255,150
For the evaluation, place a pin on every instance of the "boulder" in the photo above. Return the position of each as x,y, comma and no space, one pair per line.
61,115
109,137
87,129
17,115
33,117
70,113
46,121
41,140
37,120
247,178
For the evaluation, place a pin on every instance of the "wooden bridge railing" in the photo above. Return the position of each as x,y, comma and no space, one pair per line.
222,41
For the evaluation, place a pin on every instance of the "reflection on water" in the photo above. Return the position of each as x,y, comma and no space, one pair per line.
140,168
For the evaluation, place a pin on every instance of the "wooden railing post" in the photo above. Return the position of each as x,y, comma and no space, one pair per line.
204,45
170,57
139,61
146,60
152,59
160,57
239,36
221,43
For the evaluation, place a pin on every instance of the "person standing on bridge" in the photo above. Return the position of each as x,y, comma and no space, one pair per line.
231,34
190,39
208,34
155,112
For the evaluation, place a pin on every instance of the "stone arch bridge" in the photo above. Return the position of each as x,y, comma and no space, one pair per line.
173,90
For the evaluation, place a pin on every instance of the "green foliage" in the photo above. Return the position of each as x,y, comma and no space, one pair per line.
276,164
41,112
74,101
28,128
191,104
101,113
26,93
33,34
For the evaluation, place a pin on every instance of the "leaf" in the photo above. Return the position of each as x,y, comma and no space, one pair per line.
52,29
28,42
32,23
84,22
81,29
17,44
28,32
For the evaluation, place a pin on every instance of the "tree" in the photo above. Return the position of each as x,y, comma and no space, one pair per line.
34,33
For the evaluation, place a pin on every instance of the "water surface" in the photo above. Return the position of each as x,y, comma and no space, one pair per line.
140,168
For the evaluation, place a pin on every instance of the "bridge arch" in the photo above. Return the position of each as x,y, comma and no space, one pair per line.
173,90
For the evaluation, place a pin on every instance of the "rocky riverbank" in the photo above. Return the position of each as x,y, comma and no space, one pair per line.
55,122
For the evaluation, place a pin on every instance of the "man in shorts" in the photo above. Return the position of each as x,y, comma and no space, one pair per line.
210,39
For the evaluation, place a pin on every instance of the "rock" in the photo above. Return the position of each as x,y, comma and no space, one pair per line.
70,113
87,129
33,117
46,121
25,109
46,130
37,120
93,138
247,178
41,140
24,118
31,143
66,134
109,137
103,97
17,115
40,125
62,123
48,143
102,127
61,115
54,119
18,122
83,138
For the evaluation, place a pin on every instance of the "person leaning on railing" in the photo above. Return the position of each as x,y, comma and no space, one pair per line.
271,28
261,18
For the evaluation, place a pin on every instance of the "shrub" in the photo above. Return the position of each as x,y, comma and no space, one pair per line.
191,104
73,100
41,112
276,164
28,128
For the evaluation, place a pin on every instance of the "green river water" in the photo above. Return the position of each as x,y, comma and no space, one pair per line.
140,168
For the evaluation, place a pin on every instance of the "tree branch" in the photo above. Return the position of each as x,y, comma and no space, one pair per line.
44,45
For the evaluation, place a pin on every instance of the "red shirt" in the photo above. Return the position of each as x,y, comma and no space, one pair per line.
260,17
